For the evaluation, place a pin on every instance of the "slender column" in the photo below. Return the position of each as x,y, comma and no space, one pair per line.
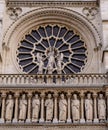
15,120
95,108
107,105
69,118
29,108
42,108
3,107
82,120
55,120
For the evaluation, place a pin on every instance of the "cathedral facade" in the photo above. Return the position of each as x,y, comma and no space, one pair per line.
53,64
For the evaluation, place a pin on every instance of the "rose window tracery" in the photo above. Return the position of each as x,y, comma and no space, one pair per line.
52,49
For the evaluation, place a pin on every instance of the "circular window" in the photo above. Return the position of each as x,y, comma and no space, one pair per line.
52,49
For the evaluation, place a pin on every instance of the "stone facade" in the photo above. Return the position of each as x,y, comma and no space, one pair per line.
53,64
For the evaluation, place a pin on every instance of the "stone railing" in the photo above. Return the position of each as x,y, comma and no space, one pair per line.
68,80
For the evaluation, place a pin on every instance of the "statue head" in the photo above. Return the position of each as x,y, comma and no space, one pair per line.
10,96
23,96
36,96
75,96
89,95
62,96
49,96
101,96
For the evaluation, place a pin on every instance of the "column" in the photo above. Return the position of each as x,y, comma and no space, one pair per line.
69,117
95,108
82,120
55,120
42,109
15,120
3,108
107,105
28,120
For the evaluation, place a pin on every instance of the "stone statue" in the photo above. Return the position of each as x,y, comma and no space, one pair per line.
9,108
22,108
59,63
101,108
62,108
51,61
89,108
35,108
75,108
49,108
40,63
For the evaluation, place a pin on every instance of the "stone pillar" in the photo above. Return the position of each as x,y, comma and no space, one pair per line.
42,109
82,120
3,107
107,105
69,102
15,120
95,108
29,108
55,120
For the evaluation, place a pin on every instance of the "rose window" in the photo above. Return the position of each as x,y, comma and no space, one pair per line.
52,49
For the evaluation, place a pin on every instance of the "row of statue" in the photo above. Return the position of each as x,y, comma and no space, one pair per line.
62,108
54,61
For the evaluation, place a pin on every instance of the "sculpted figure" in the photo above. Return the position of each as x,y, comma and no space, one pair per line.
22,108
49,108
101,108
35,108
89,108
51,61
40,63
75,108
59,63
62,108
9,108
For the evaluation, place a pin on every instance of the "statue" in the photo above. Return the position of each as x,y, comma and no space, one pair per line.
101,108
22,108
35,108
9,108
62,109
40,63
51,61
59,63
75,108
89,108
49,108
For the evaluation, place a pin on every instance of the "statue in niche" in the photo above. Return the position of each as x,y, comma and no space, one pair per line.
59,63
9,108
89,108
22,108
51,61
40,63
49,108
101,108
75,108
62,108
35,108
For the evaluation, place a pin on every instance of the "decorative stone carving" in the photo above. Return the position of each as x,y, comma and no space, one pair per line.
89,108
62,108
14,12
40,63
22,108
9,108
101,108
35,108
59,63
90,12
75,108
49,108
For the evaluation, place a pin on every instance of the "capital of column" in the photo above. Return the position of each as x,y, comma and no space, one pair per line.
42,95
17,94
55,95
29,95
82,94
68,94
3,95
94,95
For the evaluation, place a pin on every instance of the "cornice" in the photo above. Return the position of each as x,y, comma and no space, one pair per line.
34,3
